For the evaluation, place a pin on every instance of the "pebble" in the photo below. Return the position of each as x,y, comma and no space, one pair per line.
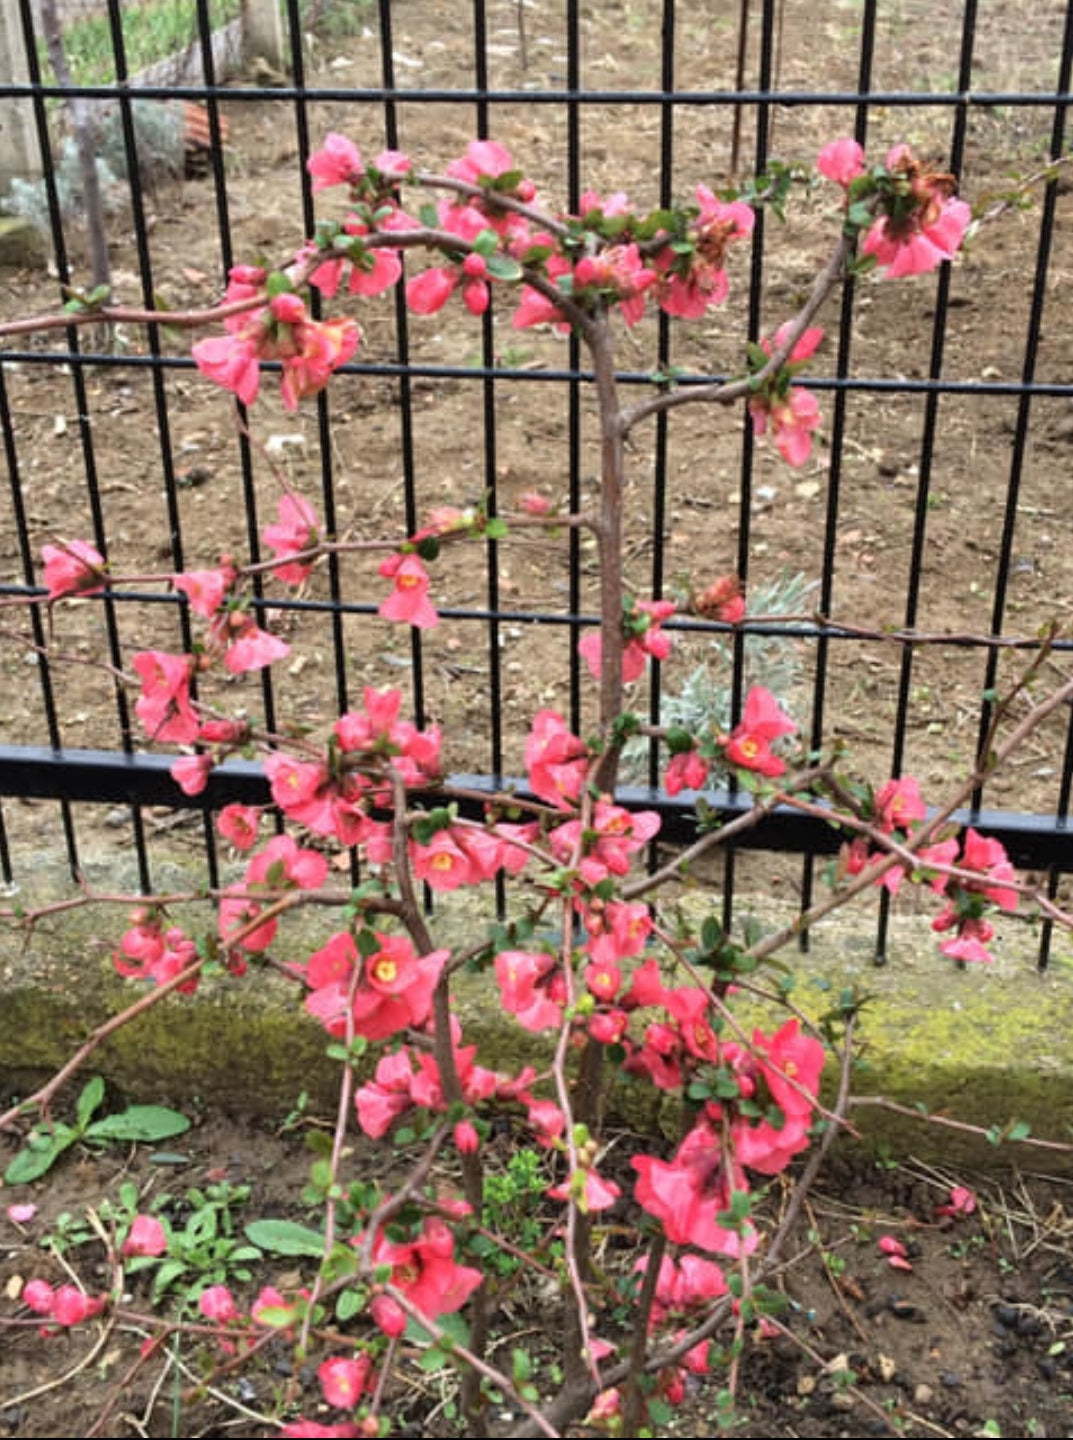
923,1395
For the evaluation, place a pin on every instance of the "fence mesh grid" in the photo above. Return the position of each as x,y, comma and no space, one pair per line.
934,494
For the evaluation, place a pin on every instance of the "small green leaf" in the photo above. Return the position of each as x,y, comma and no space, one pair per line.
144,1123
40,1153
496,529
285,1237
503,267
90,1101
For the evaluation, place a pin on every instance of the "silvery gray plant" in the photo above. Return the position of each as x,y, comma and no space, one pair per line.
773,661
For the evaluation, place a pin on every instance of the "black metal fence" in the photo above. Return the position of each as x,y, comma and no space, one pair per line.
940,482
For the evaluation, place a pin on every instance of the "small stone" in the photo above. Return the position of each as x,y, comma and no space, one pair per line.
923,1395
806,1384
841,1401
886,1367
951,1380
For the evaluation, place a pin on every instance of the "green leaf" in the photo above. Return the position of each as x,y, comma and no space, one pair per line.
503,267
285,1237
349,1304
1019,1130
278,284
90,1101
42,1150
428,547
433,1360
140,1123
496,529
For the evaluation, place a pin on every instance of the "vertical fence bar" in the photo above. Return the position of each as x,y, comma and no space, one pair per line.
838,436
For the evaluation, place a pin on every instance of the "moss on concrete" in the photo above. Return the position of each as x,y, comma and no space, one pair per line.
981,1045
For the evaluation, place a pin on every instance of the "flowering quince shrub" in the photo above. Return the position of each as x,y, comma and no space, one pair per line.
615,984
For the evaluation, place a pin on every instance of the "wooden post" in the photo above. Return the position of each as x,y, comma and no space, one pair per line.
262,32
20,154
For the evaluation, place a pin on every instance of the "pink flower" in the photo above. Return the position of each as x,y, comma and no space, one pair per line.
295,532
466,1139
39,1296
749,744
841,161
248,646
962,1202
792,421
898,804
71,1306
146,1237
395,990
425,1271
556,760
692,282
343,1382
164,704
409,601
530,989
206,589
217,1303
644,638
687,1194
792,411
231,362
896,1253
191,773
687,771
73,568
239,824
595,1194
21,1214
338,162
921,224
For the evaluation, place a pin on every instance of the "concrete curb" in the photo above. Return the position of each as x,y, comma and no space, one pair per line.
984,1046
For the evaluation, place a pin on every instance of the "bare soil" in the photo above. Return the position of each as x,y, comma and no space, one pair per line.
976,1341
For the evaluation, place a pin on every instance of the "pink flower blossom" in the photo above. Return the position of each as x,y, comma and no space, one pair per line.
296,531
531,988
749,743
841,161
73,568
556,760
395,990
692,283
146,1237
206,589
191,773
408,601
217,1303
922,224
466,1139
337,162
239,824
344,1381
39,1296
164,704
962,1202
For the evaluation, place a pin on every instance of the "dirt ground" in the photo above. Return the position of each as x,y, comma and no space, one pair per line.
977,1340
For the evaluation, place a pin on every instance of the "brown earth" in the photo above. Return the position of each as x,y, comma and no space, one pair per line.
976,1341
